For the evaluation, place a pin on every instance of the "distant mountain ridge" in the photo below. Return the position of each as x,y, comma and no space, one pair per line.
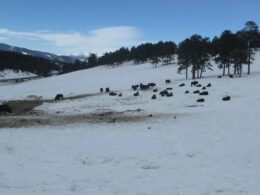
46,55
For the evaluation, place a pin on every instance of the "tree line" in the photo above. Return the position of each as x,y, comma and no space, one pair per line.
230,51
27,63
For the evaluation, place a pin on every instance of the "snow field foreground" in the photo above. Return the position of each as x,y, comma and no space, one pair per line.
199,148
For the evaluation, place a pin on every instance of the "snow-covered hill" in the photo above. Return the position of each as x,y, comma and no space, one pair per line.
11,74
46,55
183,147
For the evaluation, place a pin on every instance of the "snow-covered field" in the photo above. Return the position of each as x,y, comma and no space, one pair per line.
188,148
10,74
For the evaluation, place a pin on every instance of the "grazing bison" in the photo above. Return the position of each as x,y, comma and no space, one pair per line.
144,87
152,84
107,90
120,94
204,88
209,85
187,91
112,93
101,89
153,97
219,77
226,98
194,83
168,88
5,108
182,85
59,96
155,90
197,91
204,93
134,87
169,94
199,85
201,100
163,93
136,94
166,93
167,81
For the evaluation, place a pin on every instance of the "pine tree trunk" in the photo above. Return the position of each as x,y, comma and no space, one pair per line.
228,69
249,61
186,71
224,70
193,72
201,71
240,73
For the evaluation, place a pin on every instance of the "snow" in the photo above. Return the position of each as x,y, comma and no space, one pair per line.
11,74
193,148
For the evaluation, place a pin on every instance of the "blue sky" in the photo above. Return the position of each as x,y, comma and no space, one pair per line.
83,26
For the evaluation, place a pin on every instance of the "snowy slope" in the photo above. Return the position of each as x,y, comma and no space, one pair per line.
10,74
194,148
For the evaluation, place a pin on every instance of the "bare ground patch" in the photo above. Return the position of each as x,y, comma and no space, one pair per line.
56,119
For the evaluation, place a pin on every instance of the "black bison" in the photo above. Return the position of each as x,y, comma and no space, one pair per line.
231,76
194,83
144,87
59,96
167,81
226,98
199,85
187,91
169,88
169,94
155,90
136,94
204,88
152,84
101,89
197,91
107,90
5,108
120,94
166,93
135,87
153,97
201,100
182,85
219,77
209,85
204,93
112,93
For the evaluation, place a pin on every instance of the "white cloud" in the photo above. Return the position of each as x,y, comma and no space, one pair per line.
98,40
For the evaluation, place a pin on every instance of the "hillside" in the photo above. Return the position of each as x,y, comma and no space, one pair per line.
93,143
46,55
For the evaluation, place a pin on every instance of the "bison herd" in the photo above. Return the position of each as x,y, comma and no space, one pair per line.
167,92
